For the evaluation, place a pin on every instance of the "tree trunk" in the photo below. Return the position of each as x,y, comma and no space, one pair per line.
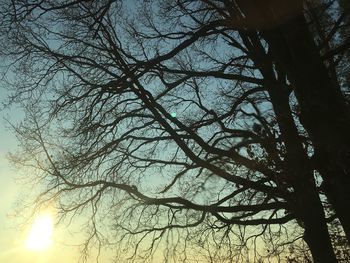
316,233
305,201
337,192
319,103
324,112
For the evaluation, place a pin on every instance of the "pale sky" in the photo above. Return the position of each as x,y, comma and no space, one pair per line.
13,235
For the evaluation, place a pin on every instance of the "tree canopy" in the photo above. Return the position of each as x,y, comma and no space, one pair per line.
183,126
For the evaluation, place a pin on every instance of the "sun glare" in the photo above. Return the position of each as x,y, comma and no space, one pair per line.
40,236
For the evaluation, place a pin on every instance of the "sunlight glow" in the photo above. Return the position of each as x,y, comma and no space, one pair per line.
40,236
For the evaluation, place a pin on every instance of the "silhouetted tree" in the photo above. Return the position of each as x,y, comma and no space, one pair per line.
183,122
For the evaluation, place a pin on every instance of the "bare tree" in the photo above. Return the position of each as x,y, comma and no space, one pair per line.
175,121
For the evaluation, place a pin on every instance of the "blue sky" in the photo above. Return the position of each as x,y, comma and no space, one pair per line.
12,233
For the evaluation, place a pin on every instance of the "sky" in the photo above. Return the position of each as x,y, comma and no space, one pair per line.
13,233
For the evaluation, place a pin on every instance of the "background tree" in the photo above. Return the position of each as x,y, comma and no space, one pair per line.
165,133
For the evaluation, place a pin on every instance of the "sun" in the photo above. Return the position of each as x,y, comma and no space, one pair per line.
40,236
